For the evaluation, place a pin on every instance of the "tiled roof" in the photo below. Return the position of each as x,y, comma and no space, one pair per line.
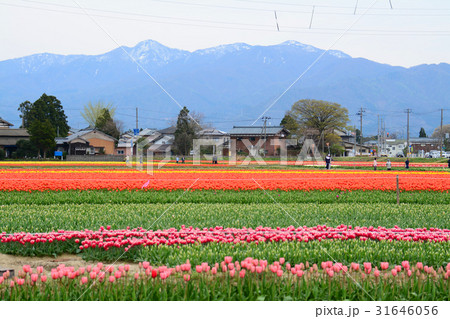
256,130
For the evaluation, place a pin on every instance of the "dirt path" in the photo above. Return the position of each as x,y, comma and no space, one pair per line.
16,262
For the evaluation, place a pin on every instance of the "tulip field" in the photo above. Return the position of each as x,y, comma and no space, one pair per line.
225,233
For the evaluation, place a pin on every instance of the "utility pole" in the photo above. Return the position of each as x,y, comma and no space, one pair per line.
378,136
407,131
137,121
442,132
265,118
360,113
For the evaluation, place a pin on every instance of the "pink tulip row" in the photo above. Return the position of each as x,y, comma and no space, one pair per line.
280,268
106,238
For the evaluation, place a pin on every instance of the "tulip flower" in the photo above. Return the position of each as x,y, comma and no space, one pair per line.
43,278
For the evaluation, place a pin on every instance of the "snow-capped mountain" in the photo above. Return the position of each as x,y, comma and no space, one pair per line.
229,83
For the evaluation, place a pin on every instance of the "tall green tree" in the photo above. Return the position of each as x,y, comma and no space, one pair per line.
93,111
186,131
322,116
42,135
107,125
47,107
289,123
422,132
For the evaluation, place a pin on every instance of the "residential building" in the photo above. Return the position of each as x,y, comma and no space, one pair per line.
253,134
10,136
88,141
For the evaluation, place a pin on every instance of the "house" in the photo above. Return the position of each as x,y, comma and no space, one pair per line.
253,134
10,136
88,141
394,147
127,141
424,145
5,124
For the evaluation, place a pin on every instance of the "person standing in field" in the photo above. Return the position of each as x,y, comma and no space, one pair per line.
375,164
448,162
182,159
407,163
388,164
328,161
177,159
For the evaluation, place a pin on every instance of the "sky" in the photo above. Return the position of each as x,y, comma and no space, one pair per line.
412,32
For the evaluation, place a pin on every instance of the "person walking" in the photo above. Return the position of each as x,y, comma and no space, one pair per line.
177,159
182,159
388,164
407,163
328,161
375,164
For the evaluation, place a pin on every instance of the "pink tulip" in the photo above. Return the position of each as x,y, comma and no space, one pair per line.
384,265
34,277
11,284
55,275
136,276
376,273
187,277
145,264
89,268
43,278
199,269
112,279
230,266
419,265
1,280
279,273
228,259
20,281
409,273
299,273
232,272
118,274
214,271
39,269
405,264
259,269
84,280
93,275
394,272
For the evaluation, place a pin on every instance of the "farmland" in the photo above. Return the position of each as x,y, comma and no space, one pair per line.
294,234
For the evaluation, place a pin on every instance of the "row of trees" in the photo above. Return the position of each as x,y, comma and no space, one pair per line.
45,120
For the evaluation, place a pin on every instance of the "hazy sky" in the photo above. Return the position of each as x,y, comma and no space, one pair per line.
413,32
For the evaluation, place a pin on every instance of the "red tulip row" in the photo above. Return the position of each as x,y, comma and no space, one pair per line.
281,268
127,238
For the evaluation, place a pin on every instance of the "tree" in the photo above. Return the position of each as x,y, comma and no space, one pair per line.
92,112
186,131
289,123
47,107
322,116
106,124
26,148
43,135
437,131
422,132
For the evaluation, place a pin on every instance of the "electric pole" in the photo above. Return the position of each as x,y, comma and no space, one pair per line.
265,118
360,113
137,121
442,132
378,136
407,132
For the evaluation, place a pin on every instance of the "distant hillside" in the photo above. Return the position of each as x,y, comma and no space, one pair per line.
228,84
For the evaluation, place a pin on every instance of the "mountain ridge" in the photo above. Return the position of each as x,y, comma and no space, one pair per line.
227,82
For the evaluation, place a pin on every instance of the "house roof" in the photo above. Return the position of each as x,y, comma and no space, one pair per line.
79,135
211,131
168,130
14,132
257,130
4,123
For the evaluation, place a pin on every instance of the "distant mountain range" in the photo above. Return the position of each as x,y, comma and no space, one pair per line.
229,84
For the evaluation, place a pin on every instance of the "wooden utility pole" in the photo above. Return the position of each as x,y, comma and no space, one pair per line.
137,121
407,132
442,132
